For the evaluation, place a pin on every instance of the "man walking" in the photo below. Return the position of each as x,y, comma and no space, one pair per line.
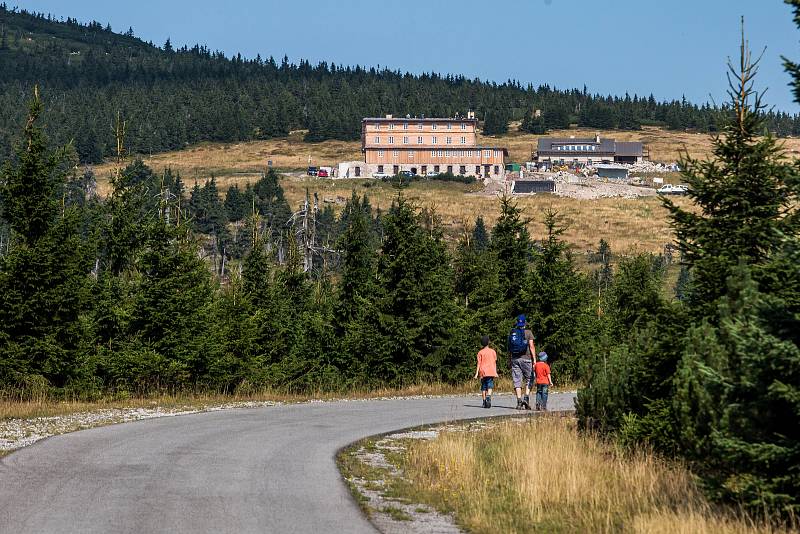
521,348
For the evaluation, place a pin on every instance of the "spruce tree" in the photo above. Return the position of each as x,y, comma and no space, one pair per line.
172,305
560,311
736,400
358,265
747,196
43,276
512,247
480,236
419,318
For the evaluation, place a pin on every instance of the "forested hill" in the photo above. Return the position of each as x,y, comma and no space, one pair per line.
172,97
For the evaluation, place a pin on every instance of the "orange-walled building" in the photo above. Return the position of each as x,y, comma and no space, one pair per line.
429,145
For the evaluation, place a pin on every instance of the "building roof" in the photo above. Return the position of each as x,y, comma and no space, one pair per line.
629,148
546,146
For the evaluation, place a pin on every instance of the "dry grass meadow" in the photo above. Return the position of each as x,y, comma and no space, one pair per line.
629,225
541,475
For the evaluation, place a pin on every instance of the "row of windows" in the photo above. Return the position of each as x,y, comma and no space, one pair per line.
576,148
434,126
447,153
420,140
436,168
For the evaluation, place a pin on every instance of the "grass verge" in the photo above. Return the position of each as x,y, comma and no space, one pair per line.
539,474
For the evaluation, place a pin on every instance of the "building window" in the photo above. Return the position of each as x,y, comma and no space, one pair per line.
391,126
486,153
589,162
405,139
405,126
436,169
391,140
449,126
433,153
496,153
358,172
433,126
433,140
380,153
419,126
497,169
463,125
463,140
440,153
377,139
411,154
380,169
395,154
395,169
419,140
462,170
449,140
449,169
424,170
478,170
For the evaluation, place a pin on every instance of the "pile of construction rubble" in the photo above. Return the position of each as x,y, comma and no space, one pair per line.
649,166
593,189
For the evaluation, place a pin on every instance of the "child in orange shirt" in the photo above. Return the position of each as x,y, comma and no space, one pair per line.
486,370
543,381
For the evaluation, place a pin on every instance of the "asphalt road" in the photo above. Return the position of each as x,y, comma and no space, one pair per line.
266,469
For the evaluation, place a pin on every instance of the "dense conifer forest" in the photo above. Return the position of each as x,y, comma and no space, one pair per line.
174,96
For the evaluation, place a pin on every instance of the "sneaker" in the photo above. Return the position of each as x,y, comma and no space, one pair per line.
488,402
484,403
526,402
519,404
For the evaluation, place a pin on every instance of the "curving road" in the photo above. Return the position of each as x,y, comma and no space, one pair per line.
249,470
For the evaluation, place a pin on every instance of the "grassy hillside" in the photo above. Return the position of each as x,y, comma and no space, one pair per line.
627,224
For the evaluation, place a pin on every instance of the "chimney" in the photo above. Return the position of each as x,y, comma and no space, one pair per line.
597,138
388,115
470,114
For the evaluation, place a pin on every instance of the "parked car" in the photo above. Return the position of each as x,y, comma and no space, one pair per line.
405,174
431,174
322,173
312,171
669,189
380,175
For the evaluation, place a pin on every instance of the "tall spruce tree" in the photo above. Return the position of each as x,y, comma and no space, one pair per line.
43,279
747,196
512,246
419,317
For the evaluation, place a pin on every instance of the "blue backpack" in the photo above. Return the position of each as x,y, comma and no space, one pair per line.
517,344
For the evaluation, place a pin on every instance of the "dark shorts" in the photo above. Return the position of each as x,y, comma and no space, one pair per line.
487,383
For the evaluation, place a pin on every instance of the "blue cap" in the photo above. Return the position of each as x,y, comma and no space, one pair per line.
543,356
521,319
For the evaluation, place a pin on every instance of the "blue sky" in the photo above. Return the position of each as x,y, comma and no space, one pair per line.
668,48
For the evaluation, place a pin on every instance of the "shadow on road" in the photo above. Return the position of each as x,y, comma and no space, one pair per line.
493,406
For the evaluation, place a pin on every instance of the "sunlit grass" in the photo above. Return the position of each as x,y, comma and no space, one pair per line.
541,475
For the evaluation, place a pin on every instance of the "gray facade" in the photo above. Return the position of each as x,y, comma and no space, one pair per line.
587,151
